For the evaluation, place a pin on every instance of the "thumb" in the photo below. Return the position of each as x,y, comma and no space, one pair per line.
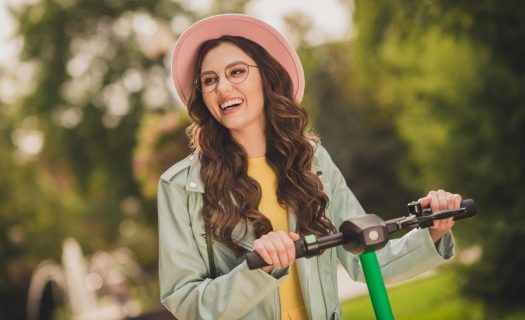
294,236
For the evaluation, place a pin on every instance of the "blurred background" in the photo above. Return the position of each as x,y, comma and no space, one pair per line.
406,95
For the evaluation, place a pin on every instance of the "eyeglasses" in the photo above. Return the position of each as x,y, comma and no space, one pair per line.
235,72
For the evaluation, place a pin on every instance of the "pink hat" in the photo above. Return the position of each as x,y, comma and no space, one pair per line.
186,48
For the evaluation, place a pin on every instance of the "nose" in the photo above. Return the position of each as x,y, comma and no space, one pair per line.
224,85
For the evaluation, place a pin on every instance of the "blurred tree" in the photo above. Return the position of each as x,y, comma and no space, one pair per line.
361,138
362,141
493,160
228,6
161,139
95,69
451,75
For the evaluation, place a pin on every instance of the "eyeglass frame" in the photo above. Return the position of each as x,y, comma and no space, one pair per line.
198,84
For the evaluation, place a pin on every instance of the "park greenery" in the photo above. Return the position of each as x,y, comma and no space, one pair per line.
434,297
423,95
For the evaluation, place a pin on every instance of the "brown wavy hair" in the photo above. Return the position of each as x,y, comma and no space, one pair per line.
231,197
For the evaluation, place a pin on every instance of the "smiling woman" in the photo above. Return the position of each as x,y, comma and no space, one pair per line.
259,180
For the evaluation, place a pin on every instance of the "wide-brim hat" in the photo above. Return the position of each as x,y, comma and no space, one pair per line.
256,30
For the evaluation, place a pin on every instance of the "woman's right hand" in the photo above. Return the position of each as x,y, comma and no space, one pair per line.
277,249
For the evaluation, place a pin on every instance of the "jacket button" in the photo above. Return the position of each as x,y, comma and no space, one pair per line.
193,185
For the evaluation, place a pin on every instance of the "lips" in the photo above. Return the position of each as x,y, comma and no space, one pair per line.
230,103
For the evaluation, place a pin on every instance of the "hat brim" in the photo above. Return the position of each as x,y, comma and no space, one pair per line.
186,48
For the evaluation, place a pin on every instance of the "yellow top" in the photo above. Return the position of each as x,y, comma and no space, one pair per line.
292,304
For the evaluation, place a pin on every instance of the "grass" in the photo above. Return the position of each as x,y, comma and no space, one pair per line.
436,297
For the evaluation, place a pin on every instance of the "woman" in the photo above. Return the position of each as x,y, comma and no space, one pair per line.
258,181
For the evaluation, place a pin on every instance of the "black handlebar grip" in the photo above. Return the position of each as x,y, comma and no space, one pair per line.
254,260
470,208
468,205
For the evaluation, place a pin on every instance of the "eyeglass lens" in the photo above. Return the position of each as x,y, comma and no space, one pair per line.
235,73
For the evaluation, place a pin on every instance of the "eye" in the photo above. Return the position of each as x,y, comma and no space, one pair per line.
237,72
208,80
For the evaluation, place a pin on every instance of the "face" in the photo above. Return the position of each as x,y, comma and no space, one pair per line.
237,106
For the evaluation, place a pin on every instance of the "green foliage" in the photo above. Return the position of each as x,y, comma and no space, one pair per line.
437,297
97,67
360,137
449,74
161,142
425,88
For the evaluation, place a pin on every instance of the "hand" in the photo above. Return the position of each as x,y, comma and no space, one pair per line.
440,200
277,249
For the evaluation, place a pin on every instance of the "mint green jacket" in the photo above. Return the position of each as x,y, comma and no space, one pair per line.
240,293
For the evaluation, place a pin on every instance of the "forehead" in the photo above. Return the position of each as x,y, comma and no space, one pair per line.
225,53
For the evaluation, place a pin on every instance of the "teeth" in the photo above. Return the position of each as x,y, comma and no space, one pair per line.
230,103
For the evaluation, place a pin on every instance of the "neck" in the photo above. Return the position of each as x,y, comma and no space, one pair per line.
254,143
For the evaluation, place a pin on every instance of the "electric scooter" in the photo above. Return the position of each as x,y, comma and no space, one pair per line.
366,234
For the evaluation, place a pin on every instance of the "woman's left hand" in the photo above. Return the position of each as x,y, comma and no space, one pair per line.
440,200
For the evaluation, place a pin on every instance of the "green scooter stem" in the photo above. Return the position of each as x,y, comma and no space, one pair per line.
376,286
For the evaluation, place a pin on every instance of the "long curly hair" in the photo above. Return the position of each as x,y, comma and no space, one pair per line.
231,197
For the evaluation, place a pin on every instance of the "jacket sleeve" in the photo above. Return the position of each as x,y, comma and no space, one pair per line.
185,290
400,259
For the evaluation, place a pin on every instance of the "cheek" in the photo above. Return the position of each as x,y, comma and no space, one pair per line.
260,100
207,102
257,94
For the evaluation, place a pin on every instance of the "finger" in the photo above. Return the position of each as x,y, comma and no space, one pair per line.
258,246
457,200
272,252
442,198
269,248
294,236
280,249
439,223
451,202
289,245
425,201
434,201
436,224
444,224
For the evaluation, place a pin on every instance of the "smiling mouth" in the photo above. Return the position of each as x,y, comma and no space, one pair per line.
230,104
